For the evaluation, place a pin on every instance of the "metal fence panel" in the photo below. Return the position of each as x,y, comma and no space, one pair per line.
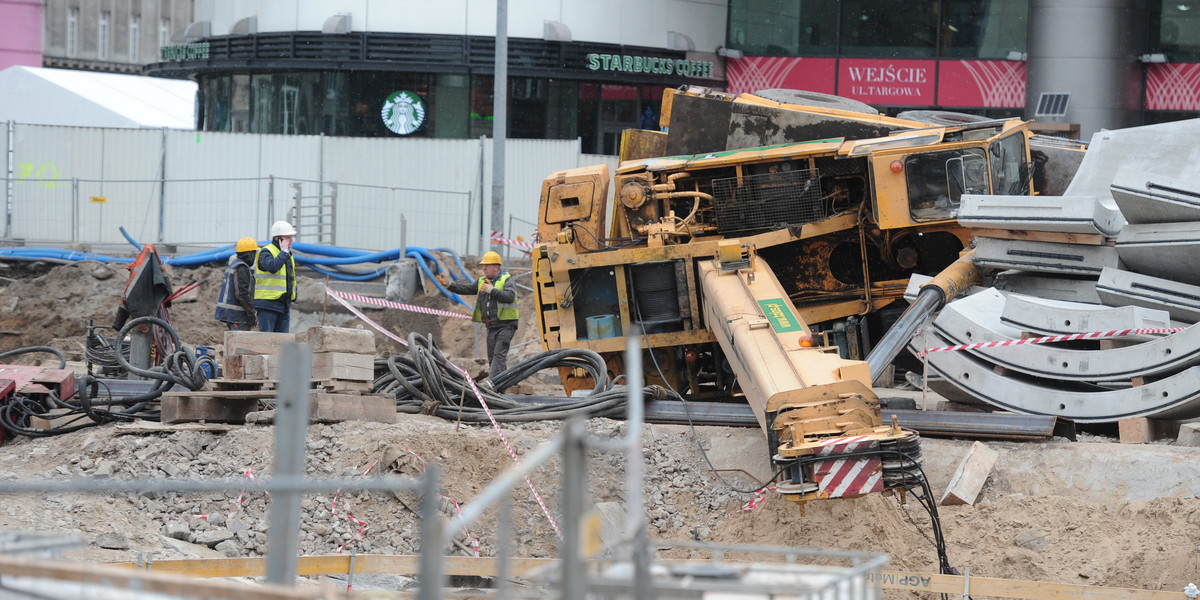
430,182
210,188
526,165
217,187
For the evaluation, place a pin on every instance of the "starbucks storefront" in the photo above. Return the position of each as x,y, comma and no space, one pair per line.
557,90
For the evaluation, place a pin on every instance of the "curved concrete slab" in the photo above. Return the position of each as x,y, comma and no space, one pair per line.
1174,397
1045,257
1046,286
972,322
1059,214
1146,197
1044,316
1164,250
1121,288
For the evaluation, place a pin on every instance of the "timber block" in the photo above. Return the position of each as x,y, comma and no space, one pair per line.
345,386
970,476
326,407
338,339
255,342
1140,430
57,418
343,365
325,365
183,408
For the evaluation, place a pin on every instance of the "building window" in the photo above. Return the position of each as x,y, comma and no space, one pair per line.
135,29
72,32
102,37
164,32
783,27
1178,31
889,28
971,29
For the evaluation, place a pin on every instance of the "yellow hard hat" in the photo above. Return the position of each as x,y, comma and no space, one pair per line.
246,244
491,258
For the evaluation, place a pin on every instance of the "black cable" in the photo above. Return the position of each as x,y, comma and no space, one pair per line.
62,358
424,380
178,367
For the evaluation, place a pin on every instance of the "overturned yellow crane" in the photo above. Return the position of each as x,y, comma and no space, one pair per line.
759,274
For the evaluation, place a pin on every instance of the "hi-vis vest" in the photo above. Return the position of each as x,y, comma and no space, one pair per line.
272,286
504,312
228,309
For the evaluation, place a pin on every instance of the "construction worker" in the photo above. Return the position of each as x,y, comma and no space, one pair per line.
495,307
235,305
275,279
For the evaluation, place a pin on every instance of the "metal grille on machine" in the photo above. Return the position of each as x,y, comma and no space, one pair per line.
768,201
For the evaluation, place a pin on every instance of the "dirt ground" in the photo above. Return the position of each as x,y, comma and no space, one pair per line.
1091,512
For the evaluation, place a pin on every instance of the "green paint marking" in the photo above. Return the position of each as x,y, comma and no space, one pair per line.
780,315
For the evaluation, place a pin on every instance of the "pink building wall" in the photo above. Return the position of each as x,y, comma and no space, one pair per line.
20,33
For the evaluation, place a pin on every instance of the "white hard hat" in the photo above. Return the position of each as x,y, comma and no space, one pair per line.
282,228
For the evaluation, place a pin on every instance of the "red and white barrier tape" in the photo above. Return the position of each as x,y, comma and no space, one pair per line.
362,525
1054,338
395,305
368,321
498,239
753,503
479,396
457,509
507,446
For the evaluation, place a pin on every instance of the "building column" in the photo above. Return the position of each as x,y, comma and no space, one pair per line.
1088,49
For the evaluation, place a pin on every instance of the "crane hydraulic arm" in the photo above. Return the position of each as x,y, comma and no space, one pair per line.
823,421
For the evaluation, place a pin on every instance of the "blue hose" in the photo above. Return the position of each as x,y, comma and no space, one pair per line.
458,261
309,255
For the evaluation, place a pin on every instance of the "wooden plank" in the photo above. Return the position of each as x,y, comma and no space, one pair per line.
1010,588
338,339
1089,239
60,417
218,394
972,472
343,385
486,567
326,407
169,584
179,409
334,564
255,342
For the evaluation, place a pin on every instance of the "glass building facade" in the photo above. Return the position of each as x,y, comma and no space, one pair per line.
339,85
988,35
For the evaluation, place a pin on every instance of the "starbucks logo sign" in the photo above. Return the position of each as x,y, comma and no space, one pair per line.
403,112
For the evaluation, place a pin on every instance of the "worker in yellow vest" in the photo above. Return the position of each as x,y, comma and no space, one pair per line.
495,307
275,280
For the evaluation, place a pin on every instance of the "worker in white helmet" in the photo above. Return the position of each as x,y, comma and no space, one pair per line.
495,307
275,280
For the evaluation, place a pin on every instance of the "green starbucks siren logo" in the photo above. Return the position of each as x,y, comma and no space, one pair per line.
403,112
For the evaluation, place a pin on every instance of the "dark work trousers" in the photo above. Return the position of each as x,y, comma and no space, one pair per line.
499,337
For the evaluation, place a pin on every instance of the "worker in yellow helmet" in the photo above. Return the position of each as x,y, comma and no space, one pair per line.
235,304
275,280
495,307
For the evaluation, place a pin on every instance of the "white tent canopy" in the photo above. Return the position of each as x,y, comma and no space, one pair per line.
86,99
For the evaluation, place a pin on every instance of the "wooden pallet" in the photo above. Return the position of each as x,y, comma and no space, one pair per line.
232,406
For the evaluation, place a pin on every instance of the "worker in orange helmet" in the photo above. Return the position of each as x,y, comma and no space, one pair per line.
235,304
495,307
